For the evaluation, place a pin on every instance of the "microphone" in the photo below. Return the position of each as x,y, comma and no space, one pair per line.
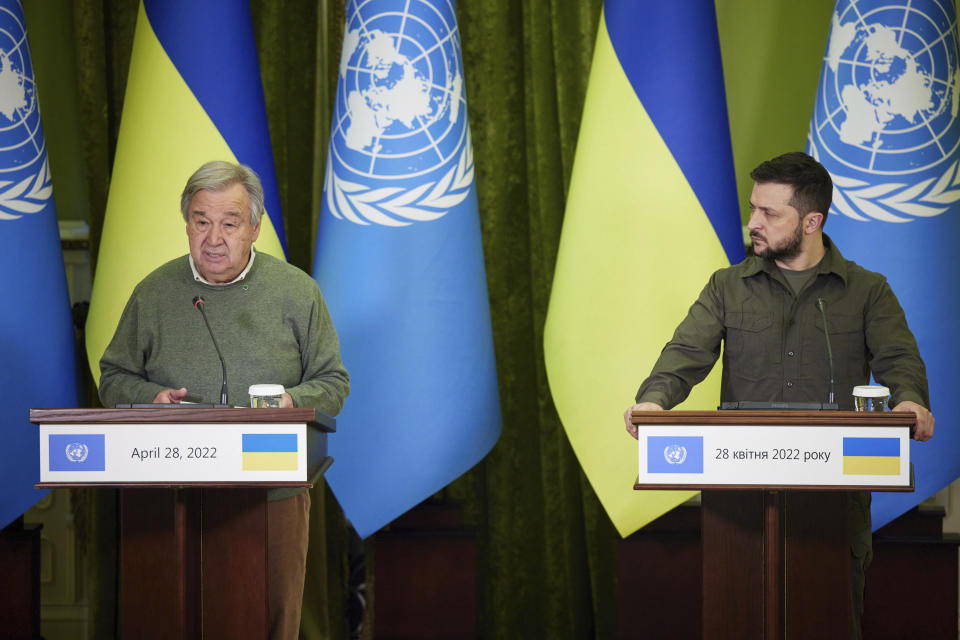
826,335
199,303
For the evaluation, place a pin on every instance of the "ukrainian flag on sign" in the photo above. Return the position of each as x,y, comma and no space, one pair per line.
269,452
652,212
871,456
193,95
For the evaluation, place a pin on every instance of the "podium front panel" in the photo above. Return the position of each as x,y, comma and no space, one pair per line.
730,455
173,452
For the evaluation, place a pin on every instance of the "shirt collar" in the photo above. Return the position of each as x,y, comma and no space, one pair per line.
243,274
832,262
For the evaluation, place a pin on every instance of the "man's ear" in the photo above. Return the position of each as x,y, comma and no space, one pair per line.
812,221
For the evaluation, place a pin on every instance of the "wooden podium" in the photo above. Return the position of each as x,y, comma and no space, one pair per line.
775,486
193,550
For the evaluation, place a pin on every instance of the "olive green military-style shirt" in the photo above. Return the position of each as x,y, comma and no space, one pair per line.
774,346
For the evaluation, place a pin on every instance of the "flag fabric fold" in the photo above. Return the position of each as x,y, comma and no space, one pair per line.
193,95
885,126
400,264
652,211
37,349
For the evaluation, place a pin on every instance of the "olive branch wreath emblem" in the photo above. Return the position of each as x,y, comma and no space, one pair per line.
396,206
893,201
29,195
896,201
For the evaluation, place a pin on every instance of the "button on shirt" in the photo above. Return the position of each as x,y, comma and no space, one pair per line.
774,344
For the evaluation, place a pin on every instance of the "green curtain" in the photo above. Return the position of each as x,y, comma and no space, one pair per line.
547,550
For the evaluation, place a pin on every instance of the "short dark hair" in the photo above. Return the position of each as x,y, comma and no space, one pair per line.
812,186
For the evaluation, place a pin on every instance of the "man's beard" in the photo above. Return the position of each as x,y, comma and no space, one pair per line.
789,249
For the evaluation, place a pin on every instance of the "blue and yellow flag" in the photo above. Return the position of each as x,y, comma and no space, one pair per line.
269,451
400,264
652,212
871,456
193,95
886,127
37,362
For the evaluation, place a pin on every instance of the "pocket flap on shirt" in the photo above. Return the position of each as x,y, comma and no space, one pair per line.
839,323
748,321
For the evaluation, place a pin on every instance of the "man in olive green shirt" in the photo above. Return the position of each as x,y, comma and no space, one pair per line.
768,314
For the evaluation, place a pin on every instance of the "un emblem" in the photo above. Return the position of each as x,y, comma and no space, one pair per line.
25,185
399,143
77,452
885,122
675,453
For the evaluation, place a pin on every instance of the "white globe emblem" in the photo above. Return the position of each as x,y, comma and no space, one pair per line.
399,143
885,123
77,452
24,177
675,453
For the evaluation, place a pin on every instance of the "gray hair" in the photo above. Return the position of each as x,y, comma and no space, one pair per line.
217,175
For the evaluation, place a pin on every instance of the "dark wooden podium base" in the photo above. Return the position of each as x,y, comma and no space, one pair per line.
20,580
776,565
193,563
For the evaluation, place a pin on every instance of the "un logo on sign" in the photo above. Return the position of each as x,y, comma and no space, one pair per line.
77,452
25,185
885,122
675,453
399,144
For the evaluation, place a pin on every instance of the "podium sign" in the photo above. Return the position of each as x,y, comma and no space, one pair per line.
786,456
826,450
775,545
173,452
193,504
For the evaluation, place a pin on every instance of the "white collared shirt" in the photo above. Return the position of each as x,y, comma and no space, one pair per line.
243,274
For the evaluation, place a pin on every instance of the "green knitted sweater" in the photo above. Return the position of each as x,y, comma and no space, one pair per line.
272,327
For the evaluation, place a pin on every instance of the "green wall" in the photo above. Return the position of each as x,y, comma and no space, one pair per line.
772,52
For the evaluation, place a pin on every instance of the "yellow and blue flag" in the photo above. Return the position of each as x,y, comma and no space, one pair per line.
885,125
37,361
651,213
269,451
400,263
193,94
871,456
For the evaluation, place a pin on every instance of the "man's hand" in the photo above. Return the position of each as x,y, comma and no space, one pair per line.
924,430
641,406
170,396
286,402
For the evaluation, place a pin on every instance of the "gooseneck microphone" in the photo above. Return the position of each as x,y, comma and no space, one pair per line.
199,303
826,335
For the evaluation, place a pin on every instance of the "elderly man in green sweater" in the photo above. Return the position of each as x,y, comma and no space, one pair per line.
272,326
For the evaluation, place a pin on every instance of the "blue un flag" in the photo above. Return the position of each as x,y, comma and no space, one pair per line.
400,263
36,332
885,125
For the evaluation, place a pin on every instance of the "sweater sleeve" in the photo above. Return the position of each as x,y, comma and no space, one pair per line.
122,367
325,383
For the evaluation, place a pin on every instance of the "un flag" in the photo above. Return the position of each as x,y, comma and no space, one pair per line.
400,264
37,343
885,125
